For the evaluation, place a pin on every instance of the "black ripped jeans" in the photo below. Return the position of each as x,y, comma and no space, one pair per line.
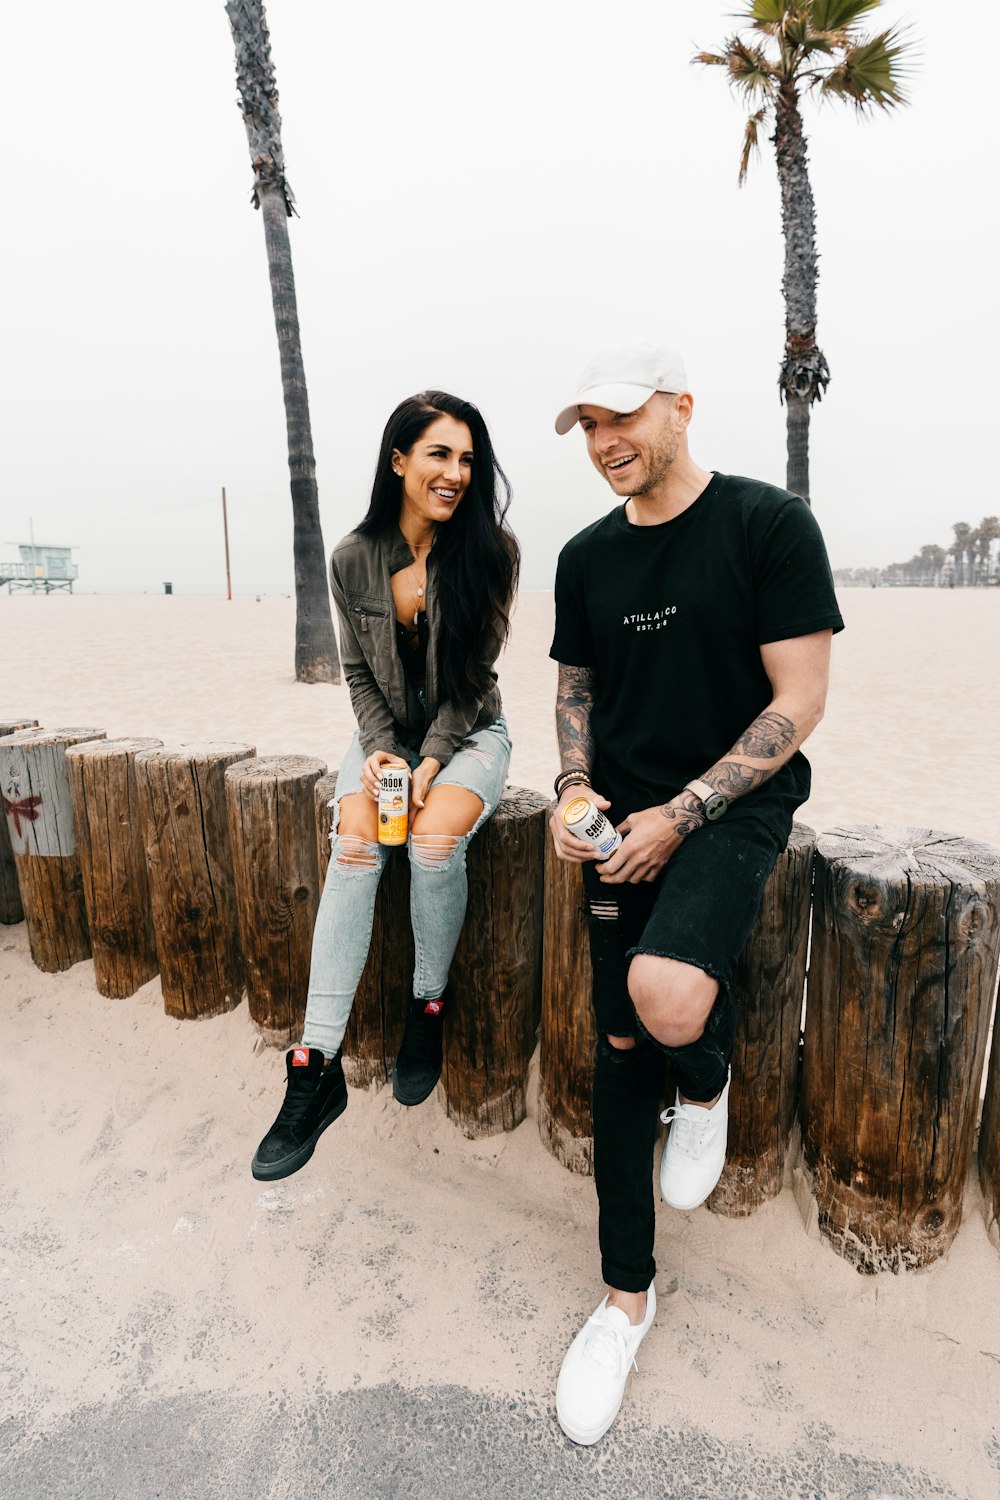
700,912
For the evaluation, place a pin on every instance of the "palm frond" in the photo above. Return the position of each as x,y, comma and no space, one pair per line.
870,73
838,15
751,141
711,59
768,12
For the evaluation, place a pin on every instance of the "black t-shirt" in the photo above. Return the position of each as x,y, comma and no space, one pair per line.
670,619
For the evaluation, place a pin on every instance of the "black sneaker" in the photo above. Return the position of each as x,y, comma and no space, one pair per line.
418,1066
315,1097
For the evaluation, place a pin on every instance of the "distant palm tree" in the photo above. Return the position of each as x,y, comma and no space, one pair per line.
963,541
316,657
794,47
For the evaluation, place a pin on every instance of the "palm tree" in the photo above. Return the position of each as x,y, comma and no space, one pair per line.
316,657
963,539
796,47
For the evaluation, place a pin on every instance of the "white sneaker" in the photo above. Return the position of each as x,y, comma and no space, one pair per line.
695,1153
596,1369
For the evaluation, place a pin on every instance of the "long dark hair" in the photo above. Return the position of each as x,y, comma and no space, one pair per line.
476,556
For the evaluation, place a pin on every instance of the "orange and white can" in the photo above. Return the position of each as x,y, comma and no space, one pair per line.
585,819
394,802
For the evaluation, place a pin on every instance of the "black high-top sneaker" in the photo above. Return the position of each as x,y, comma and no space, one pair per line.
314,1098
418,1066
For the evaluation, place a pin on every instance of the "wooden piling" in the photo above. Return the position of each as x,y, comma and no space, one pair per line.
375,1028
105,797
272,827
768,986
182,796
905,942
568,1034
989,1145
36,799
496,975
11,910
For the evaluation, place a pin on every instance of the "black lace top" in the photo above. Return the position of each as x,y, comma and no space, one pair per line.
411,643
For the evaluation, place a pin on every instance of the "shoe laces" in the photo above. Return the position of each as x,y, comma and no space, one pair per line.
607,1347
689,1126
300,1096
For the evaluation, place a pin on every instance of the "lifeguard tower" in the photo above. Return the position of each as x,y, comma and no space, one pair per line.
42,570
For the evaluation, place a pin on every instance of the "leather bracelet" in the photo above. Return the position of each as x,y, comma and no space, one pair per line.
570,778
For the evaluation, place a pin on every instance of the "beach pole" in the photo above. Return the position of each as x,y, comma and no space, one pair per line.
11,910
36,799
105,797
768,986
375,1028
496,975
568,1034
182,798
271,805
905,944
225,533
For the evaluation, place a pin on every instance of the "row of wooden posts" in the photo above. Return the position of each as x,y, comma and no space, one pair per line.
205,863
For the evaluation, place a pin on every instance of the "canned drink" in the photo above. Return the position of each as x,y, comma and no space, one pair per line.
587,822
394,803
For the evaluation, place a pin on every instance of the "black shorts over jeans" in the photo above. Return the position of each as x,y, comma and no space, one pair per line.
700,911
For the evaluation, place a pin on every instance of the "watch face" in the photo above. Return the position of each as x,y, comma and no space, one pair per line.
715,806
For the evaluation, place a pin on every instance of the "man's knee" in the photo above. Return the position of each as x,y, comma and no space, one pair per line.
672,999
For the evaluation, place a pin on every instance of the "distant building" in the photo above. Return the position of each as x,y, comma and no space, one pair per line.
42,570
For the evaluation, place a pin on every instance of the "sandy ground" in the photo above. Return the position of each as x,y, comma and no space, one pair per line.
169,1327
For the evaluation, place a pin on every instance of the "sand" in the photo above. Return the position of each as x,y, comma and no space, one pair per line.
391,1320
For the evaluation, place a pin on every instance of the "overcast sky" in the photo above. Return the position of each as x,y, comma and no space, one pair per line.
486,192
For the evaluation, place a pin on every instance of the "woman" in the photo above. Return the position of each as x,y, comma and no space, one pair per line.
423,587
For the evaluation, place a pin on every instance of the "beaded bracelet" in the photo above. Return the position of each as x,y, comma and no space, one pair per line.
570,778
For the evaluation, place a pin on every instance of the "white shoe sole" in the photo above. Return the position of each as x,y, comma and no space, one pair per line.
586,1439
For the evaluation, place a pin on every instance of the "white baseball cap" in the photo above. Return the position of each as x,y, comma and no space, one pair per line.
623,377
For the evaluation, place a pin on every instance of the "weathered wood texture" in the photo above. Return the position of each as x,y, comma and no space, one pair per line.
768,986
496,975
989,1144
375,1029
11,910
905,939
105,796
568,1037
182,796
272,824
39,811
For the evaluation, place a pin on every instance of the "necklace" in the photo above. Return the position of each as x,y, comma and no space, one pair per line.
416,548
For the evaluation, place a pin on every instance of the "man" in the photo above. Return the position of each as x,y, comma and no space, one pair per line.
693,629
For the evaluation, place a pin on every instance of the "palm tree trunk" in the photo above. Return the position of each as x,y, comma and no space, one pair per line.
804,371
316,656
797,465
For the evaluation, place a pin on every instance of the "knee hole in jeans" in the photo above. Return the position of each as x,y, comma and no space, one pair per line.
432,851
351,853
602,909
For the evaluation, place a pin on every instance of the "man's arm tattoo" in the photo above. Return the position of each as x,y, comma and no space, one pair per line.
684,813
768,736
574,701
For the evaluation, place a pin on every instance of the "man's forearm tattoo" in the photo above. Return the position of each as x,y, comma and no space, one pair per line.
768,736
683,813
574,702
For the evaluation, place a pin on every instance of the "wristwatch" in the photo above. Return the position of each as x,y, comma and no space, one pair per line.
713,803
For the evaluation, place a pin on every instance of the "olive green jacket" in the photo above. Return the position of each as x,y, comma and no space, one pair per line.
389,713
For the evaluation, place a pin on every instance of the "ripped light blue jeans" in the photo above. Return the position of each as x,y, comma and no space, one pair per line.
438,890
